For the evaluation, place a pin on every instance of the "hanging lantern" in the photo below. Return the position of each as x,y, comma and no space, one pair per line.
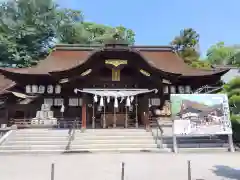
41,89
115,102
101,102
181,89
187,89
28,89
128,103
173,89
34,89
108,99
95,98
48,101
165,89
57,89
131,99
50,89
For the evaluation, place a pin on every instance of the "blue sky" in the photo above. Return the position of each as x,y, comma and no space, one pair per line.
156,22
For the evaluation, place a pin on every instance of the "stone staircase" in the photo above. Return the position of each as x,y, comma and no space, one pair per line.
59,141
105,140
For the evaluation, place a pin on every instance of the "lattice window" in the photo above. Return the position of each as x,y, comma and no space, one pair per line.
58,101
48,101
73,102
80,102
155,101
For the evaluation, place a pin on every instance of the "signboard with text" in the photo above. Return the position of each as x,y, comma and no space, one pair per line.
200,114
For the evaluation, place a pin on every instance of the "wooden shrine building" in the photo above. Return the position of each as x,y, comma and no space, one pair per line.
111,85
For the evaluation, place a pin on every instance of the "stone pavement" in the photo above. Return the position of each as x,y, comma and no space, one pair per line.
107,166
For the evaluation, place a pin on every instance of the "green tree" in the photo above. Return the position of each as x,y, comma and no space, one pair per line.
186,45
97,33
201,64
235,60
70,29
26,31
232,89
93,33
125,34
219,54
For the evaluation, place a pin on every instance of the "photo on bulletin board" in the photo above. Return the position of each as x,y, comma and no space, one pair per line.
200,114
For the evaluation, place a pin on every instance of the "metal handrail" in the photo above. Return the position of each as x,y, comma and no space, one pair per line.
159,137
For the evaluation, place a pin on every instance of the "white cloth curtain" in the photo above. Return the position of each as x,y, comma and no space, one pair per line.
115,102
128,103
116,93
101,102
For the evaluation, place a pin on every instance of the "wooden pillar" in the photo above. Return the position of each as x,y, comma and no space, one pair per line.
84,115
146,119
7,115
143,107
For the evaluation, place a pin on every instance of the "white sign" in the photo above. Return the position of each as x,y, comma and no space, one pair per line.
182,127
200,114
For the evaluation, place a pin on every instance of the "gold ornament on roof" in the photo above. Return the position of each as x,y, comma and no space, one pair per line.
116,63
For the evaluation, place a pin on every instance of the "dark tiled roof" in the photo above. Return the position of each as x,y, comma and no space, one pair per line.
5,84
66,57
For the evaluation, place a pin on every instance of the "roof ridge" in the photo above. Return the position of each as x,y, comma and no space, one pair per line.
94,46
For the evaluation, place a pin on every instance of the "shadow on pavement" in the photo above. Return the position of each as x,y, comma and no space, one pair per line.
227,172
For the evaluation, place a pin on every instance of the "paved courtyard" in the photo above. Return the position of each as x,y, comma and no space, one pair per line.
139,166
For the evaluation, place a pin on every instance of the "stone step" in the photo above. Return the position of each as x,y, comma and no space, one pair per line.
117,133
203,150
39,138
197,145
76,142
33,142
60,138
74,147
86,130
19,131
192,140
114,150
59,151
